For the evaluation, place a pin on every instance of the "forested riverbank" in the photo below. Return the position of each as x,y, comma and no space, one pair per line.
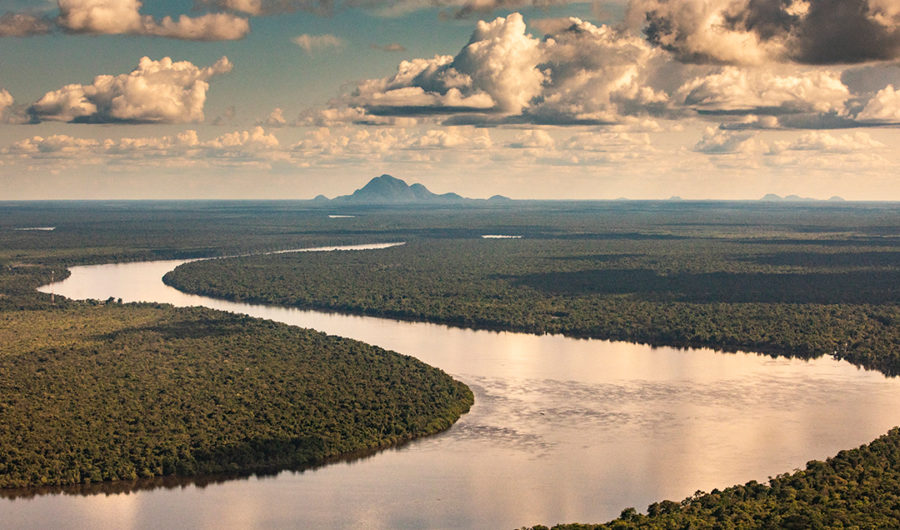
828,292
799,299
101,391
787,281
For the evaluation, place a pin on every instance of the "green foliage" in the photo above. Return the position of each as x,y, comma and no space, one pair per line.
805,301
98,391
221,392
115,392
723,283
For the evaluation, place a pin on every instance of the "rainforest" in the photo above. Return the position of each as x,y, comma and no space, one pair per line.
95,390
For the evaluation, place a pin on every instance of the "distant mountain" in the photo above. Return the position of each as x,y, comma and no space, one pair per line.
789,198
390,190
499,198
836,198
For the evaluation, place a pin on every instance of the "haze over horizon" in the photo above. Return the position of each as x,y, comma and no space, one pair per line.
645,99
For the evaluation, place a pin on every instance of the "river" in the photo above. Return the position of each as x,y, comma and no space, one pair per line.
563,430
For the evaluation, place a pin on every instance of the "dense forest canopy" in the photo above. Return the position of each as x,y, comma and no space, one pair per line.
102,391
797,298
786,279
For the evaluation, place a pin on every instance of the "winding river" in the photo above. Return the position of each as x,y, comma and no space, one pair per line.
562,430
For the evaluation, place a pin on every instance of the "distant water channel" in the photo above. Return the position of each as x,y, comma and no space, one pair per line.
563,430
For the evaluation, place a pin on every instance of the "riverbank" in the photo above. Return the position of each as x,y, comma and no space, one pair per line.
96,392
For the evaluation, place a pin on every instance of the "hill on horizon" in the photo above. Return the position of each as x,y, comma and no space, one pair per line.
387,189
772,197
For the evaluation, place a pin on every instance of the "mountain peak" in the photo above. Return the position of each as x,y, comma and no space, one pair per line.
387,189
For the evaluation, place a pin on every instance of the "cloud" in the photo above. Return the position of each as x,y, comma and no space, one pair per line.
208,27
500,60
609,142
581,74
184,148
250,7
871,78
156,92
704,30
496,71
242,144
57,145
6,100
416,100
114,17
848,31
585,74
720,142
153,147
594,148
392,47
346,115
311,43
384,8
227,116
760,91
448,138
884,107
751,122
825,142
483,7
759,31
533,139
329,144
349,144
596,74
274,119
268,7
23,25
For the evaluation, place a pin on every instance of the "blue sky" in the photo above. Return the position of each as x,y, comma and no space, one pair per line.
644,99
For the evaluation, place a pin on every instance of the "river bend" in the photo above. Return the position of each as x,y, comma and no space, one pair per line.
562,430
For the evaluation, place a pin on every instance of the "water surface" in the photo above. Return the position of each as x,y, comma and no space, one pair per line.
562,430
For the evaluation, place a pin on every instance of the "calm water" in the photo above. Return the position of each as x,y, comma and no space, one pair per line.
562,430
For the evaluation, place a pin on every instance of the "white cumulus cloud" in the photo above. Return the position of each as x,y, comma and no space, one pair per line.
883,108
496,71
313,43
578,74
112,17
754,90
596,74
161,91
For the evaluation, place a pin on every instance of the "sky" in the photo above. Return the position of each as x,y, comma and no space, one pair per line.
532,99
